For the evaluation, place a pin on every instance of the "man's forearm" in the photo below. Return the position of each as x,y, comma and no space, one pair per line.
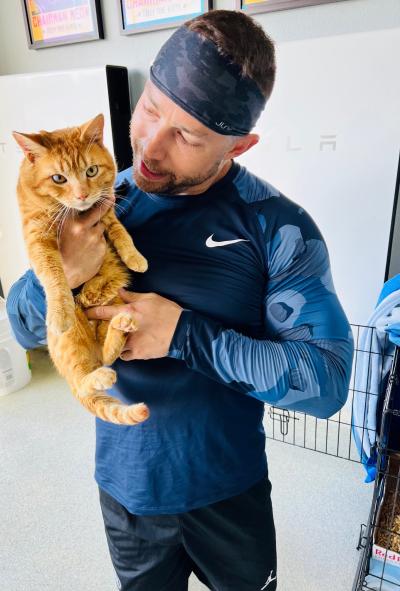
296,375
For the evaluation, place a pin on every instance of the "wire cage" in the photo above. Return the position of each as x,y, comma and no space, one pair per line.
369,420
379,565
335,436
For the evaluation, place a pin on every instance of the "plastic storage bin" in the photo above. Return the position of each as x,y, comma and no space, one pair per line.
15,372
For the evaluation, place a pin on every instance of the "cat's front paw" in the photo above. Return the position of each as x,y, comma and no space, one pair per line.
124,322
60,320
137,263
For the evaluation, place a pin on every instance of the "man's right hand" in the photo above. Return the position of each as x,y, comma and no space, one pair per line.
82,244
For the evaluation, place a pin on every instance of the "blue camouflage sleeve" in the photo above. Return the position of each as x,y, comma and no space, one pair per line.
305,364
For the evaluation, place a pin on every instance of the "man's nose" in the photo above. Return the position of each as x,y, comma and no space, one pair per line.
155,147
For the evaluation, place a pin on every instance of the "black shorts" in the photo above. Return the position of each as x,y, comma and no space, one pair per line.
229,545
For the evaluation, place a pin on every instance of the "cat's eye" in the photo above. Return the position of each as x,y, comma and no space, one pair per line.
59,179
92,171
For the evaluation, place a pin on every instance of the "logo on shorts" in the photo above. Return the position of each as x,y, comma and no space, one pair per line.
269,580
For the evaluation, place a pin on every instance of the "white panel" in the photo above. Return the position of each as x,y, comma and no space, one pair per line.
347,88
28,103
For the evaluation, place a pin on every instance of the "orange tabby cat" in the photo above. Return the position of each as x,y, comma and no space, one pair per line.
58,168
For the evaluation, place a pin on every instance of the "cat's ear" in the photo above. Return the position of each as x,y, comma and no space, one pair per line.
92,131
30,144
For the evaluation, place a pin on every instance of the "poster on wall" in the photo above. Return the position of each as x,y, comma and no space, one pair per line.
60,22
138,16
272,5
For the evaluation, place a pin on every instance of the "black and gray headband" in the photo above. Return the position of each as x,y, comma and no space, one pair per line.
190,70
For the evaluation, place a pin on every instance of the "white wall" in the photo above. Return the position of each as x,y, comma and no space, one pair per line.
137,51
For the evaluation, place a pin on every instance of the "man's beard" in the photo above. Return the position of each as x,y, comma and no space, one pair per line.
170,185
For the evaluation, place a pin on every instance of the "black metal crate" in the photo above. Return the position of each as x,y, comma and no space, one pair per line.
380,537
379,565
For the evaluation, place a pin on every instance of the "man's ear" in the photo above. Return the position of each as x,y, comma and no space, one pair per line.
242,144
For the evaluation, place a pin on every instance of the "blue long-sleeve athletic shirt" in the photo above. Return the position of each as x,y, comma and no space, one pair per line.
261,323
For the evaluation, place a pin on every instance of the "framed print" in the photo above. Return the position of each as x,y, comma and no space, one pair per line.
60,22
252,6
138,16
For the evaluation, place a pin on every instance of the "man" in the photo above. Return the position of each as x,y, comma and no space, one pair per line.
236,309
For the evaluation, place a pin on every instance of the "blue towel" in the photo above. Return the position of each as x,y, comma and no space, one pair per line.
373,362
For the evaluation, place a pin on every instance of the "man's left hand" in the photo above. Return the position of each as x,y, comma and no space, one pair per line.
156,318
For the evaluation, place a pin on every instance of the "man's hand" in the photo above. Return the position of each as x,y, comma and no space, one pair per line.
156,317
82,244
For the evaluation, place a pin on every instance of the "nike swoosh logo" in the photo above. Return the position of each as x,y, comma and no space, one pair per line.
211,243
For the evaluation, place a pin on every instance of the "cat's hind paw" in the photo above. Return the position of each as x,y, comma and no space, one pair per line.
125,322
101,378
95,293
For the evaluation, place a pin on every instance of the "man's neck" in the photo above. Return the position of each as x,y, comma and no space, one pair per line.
207,184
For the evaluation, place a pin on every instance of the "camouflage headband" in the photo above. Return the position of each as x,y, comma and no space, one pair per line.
191,72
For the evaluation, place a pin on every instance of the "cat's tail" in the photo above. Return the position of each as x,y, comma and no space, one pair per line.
92,396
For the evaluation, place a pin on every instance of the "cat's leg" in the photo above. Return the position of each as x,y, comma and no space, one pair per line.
112,334
123,243
118,330
78,358
75,353
111,337
47,265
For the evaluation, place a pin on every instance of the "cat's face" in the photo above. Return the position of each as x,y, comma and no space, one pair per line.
70,166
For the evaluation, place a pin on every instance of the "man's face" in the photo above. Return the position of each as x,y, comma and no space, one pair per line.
186,154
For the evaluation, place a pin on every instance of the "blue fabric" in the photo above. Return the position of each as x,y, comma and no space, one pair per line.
374,361
393,329
394,333
389,287
26,310
261,324
190,70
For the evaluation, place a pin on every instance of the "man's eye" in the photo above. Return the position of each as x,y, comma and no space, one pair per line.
149,111
92,171
186,142
59,179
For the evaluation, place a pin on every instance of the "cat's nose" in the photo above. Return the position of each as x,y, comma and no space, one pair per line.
83,197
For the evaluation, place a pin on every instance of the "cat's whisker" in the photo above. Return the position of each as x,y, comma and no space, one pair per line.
121,198
102,196
61,224
60,227
55,217
101,193
117,206
53,209
59,219
54,214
